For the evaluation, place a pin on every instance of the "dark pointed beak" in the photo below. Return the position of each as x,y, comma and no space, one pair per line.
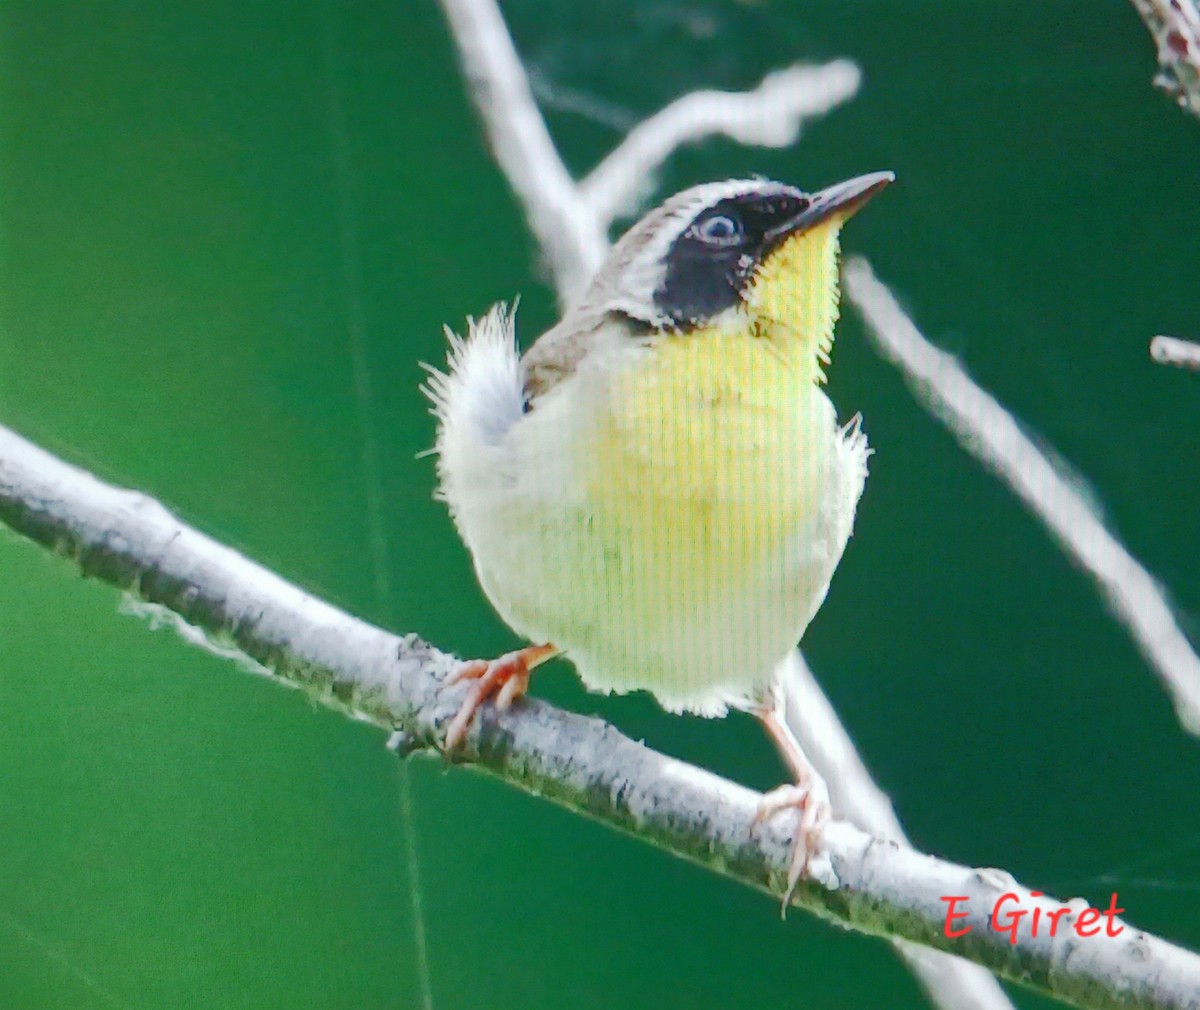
846,199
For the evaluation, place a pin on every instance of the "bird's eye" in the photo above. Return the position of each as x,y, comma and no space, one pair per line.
720,229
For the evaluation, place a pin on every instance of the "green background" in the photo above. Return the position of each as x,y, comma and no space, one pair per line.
229,233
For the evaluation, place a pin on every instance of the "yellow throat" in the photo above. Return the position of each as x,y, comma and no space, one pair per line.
793,299
721,435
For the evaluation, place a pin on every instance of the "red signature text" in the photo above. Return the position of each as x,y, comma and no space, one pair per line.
1008,916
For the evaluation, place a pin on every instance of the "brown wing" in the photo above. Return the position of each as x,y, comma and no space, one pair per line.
554,356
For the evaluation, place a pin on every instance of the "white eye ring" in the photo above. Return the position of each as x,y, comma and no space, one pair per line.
719,230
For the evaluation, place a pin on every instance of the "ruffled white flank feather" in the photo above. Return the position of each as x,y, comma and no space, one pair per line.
478,398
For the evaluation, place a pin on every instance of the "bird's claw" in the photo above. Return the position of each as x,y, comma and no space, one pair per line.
814,815
505,679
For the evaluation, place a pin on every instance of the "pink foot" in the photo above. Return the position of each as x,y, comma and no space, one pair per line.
506,679
814,815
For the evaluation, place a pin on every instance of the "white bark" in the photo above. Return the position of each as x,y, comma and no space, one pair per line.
866,883
570,234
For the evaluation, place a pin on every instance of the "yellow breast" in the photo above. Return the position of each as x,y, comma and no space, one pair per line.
714,430
683,542
670,516
707,469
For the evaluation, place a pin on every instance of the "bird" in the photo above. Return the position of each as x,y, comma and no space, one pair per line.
659,489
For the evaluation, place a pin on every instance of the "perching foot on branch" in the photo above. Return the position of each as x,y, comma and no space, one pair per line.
806,794
506,679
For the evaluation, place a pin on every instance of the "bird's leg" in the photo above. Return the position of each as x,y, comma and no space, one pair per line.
797,795
505,679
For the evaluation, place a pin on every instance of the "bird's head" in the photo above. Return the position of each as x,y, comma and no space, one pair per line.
748,256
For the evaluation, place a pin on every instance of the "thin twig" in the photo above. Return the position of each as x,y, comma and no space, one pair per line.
992,435
1175,27
771,115
571,220
1173,351
571,236
213,593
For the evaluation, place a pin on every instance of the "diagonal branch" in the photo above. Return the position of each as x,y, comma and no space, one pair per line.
132,542
572,237
992,435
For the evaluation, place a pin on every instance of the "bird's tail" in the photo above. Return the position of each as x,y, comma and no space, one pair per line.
481,393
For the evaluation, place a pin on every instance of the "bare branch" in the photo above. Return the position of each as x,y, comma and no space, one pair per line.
992,435
571,221
1173,351
769,116
130,541
1175,27
573,238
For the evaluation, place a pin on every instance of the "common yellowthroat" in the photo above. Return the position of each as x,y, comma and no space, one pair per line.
659,488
